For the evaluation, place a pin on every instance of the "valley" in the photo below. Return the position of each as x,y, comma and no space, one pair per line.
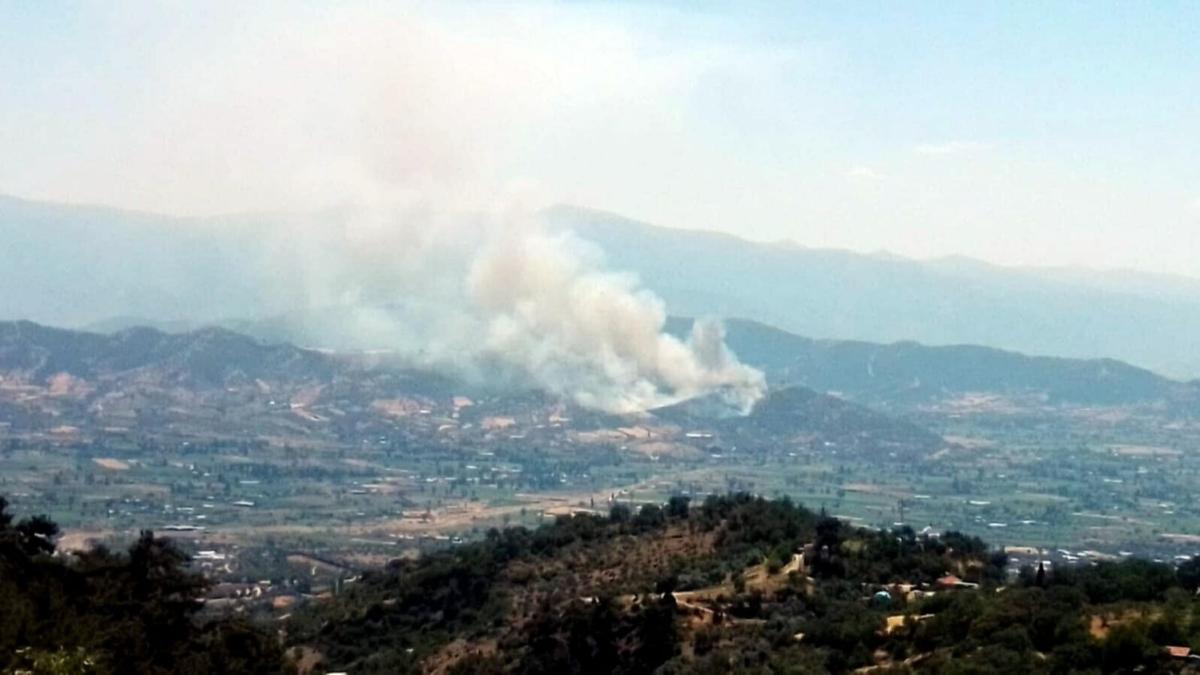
260,451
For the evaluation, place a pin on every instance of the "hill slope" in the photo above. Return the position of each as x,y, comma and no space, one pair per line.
908,372
213,381
207,357
798,414
742,585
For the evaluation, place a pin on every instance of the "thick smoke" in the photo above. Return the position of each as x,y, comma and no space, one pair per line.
498,293
595,335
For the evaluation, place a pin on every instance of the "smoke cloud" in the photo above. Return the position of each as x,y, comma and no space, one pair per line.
595,335
422,123
497,294
437,253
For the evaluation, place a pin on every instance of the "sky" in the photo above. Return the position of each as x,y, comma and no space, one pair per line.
1019,133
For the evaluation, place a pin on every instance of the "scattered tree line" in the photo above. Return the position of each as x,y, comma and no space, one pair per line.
102,611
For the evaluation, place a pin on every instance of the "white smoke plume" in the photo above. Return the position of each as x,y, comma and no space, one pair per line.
595,335
418,116
461,291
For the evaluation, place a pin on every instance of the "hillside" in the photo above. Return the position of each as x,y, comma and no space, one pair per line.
826,420
742,585
878,374
908,372
208,383
210,357
214,382
728,584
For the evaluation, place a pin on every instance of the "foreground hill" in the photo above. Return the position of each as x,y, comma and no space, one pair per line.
733,584
908,372
743,585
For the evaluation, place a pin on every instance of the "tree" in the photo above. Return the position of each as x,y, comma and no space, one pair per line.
649,517
657,636
677,507
1188,574
619,513
1128,646
28,538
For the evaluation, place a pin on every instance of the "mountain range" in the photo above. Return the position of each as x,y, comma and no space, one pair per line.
82,266
213,382
903,373
1146,319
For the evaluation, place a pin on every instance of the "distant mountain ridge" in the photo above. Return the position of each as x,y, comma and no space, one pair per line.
205,357
1143,319
875,373
201,360
73,265
78,265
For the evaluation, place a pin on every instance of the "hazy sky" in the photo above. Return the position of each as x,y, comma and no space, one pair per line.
1016,132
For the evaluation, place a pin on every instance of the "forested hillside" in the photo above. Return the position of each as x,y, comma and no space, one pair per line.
734,584
743,585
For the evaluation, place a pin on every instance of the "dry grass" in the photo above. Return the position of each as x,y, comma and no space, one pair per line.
1100,624
111,463
448,656
1145,451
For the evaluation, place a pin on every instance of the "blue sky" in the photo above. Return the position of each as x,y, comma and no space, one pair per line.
1022,133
